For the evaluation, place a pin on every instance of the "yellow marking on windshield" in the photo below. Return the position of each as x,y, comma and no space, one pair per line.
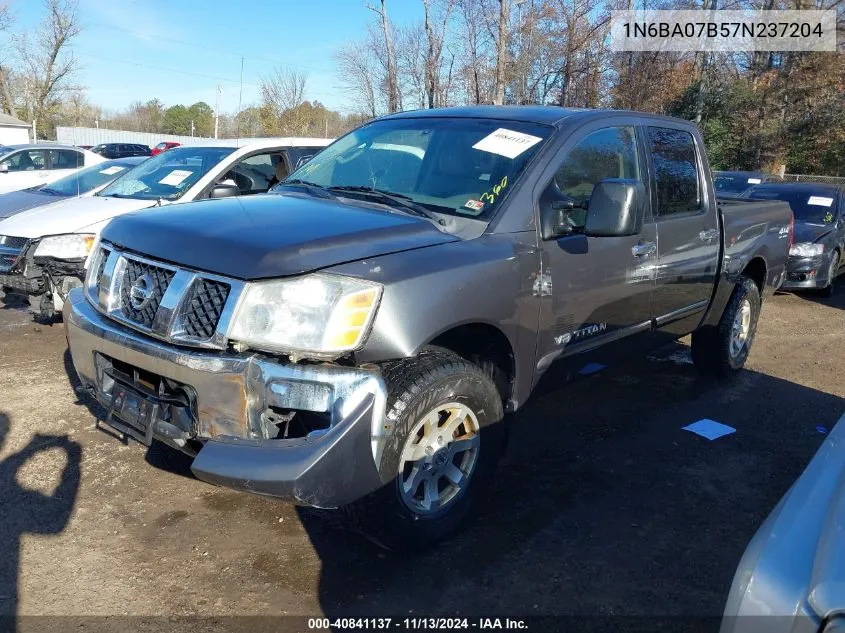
495,191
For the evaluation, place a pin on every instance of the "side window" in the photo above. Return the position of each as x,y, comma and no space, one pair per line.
28,160
607,153
65,159
677,180
253,174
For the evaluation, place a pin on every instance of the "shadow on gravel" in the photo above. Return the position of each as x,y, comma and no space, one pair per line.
26,511
603,506
836,301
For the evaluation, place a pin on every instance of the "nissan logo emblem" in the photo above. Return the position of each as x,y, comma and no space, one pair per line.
141,292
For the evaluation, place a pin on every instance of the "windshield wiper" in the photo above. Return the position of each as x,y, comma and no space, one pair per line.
311,187
396,199
52,192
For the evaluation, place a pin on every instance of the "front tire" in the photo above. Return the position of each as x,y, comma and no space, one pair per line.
447,435
722,350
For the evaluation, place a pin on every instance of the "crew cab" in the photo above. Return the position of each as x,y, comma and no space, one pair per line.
359,339
45,250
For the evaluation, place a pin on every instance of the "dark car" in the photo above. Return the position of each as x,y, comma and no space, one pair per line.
734,183
815,258
86,181
121,150
357,336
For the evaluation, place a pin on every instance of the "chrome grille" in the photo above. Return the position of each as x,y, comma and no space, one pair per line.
170,303
13,242
155,281
203,312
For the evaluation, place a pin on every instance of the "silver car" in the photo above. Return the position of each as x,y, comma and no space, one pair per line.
793,571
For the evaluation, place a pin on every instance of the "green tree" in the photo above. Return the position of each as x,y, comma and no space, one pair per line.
203,117
177,120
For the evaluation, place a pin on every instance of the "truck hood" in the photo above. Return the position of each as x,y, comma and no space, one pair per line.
266,236
808,233
68,216
17,201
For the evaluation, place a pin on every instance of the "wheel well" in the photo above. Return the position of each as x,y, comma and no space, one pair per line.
756,271
485,346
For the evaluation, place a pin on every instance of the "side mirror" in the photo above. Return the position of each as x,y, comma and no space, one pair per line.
4,168
224,191
554,221
617,208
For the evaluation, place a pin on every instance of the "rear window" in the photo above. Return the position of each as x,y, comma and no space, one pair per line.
676,170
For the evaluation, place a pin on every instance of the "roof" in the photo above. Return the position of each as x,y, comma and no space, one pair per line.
739,174
9,121
546,115
45,146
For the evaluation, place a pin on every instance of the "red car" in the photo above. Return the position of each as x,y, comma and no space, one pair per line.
164,146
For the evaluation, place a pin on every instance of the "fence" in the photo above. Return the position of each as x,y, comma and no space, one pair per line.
95,136
831,180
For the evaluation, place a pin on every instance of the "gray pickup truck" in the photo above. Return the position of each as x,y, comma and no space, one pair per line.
360,337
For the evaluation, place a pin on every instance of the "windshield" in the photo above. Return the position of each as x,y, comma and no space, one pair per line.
89,178
808,205
454,166
161,145
167,176
735,183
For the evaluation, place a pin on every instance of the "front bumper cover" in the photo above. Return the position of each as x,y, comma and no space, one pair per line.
326,469
806,272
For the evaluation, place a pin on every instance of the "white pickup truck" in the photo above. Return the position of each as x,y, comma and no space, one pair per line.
44,251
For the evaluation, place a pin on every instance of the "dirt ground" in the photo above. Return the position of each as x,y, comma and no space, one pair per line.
603,504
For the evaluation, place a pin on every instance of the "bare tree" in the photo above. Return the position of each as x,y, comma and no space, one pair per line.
357,73
435,36
46,60
283,89
501,53
392,81
6,20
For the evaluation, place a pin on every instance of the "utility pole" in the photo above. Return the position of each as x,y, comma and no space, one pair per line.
217,112
192,127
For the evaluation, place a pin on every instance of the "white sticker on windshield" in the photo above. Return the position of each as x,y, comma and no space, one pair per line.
754,181
108,171
175,177
820,201
507,143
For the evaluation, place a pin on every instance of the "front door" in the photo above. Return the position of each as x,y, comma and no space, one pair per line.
595,290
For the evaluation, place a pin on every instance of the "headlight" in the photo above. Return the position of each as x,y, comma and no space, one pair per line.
806,250
69,246
321,314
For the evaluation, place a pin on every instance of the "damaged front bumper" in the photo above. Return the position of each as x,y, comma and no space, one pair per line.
233,411
806,272
43,281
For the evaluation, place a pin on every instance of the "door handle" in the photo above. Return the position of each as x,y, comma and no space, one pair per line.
709,234
644,249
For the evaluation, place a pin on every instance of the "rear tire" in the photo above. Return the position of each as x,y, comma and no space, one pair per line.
722,350
830,288
446,439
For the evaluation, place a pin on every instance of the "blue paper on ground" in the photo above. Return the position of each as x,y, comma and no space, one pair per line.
591,368
709,429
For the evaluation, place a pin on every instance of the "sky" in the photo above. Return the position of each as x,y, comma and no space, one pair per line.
179,50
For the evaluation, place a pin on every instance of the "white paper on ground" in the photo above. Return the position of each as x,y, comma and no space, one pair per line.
175,177
820,201
709,429
112,170
507,143
754,181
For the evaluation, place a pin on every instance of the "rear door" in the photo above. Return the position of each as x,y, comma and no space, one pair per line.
596,290
687,227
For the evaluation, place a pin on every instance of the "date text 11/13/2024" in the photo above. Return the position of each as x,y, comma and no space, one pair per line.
417,624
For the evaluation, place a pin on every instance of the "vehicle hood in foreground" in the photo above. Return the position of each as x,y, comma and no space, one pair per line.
17,201
68,215
266,236
808,233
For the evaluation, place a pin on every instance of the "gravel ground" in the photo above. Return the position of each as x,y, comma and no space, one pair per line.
602,505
